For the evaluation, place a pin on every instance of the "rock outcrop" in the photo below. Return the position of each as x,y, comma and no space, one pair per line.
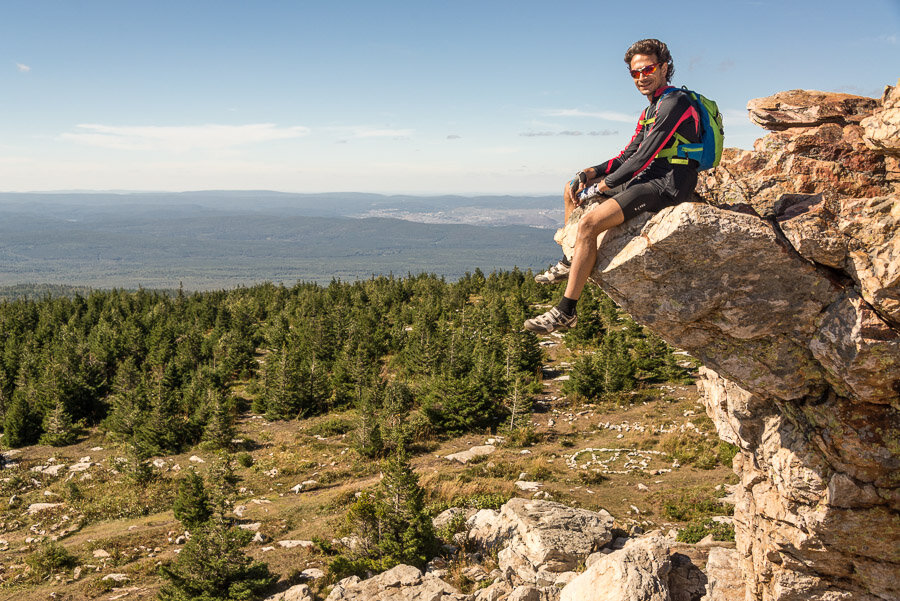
401,583
639,572
540,541
785,282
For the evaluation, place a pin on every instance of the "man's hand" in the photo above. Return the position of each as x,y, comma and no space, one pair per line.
591,192
577,184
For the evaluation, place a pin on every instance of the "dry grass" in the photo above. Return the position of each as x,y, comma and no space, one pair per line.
134,524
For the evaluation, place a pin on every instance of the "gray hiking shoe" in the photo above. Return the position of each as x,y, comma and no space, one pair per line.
551,321
557,273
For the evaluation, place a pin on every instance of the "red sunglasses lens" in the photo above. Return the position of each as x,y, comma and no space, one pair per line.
648,70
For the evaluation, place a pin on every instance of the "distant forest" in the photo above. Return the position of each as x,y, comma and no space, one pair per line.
217,240
161,372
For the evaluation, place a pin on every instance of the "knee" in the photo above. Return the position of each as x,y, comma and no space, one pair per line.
589,227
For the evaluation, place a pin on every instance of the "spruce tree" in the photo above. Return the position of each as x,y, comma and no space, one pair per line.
212,566
192,505
617,368
219,430
20,423
406,532
390,525
59,429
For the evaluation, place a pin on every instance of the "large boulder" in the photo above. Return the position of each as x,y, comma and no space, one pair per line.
639,572
786,284
725,581
540,540
400,583
882,129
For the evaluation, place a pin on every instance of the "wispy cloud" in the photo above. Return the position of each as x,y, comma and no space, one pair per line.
23,68
180,138
608,115
383,133
568,132
454,137
363,132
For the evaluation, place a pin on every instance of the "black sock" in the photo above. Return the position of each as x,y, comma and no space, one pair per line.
565,261
567,306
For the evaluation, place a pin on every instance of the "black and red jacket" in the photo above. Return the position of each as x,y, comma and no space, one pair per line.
670,112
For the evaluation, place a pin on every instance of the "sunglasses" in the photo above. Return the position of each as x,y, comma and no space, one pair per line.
648,70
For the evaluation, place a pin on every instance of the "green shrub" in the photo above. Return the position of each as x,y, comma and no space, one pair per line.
476,501
697,531
692,505
245,459
523,436
49,558
591,477
333,426
456,524
703,452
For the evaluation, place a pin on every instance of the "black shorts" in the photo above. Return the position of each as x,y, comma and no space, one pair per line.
653,194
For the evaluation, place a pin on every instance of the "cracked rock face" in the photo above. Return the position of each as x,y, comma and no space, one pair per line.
540,539
787,287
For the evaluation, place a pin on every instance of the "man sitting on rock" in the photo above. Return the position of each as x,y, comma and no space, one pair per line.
637,180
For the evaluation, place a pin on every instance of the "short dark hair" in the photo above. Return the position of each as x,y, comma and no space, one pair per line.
655,47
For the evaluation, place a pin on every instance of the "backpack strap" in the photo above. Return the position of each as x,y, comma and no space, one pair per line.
678,151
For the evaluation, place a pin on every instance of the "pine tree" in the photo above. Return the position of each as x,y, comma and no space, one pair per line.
617,368
192,505
390,525
282,390
222,482
368,439
20,423
406,532
212,566
219,430
128,402
59,429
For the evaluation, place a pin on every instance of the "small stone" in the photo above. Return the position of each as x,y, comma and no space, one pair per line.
290,544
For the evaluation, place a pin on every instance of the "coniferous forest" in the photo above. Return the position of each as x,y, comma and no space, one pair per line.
160,372
414,361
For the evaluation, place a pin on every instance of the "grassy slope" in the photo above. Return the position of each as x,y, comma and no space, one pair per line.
137,544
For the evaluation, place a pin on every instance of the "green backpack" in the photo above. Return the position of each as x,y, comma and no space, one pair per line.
707,152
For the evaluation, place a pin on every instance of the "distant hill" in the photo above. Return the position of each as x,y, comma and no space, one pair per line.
210,240
507,210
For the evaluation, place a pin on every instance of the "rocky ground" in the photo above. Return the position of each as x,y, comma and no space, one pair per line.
615,460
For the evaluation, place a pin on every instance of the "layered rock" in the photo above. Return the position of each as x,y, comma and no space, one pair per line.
400,583
882,130
786,284
540,541
639,572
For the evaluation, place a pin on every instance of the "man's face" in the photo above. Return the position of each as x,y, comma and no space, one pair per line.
647,84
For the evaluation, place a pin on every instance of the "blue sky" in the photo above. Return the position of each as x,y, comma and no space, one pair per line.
426,97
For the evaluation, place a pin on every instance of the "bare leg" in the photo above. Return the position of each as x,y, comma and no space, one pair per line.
568,202
584,255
